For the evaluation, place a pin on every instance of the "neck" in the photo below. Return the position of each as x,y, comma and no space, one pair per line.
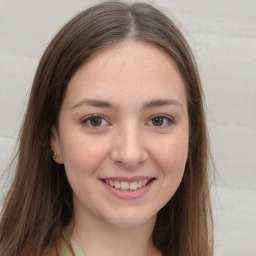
98,237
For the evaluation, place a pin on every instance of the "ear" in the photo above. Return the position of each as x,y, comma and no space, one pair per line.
56,146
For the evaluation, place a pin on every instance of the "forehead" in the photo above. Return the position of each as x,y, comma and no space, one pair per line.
130,68
143,55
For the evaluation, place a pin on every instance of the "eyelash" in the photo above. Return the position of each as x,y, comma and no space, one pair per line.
89,118
164,118
167,118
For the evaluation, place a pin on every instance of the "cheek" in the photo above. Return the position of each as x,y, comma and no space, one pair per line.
171,155
83,157
170,159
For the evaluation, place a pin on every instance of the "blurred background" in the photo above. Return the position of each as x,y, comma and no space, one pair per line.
222,34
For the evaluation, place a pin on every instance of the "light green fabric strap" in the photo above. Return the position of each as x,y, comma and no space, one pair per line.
65,247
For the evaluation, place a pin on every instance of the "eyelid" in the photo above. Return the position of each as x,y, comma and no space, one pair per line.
88,117
169,118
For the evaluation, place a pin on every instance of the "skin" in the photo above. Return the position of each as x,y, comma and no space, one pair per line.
127,142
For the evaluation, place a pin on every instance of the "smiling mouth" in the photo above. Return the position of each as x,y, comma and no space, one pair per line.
124,185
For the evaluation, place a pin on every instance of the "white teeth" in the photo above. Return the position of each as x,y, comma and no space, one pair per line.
124,185
144,182
133,185
117,184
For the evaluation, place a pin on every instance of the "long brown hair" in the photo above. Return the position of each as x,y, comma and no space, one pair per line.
39,203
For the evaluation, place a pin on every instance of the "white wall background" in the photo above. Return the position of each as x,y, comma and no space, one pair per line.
222,34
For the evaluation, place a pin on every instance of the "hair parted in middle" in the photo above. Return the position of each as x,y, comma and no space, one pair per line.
184,224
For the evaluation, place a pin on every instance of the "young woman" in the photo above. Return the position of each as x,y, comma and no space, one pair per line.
113,152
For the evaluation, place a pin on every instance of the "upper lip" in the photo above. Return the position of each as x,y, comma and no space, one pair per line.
127,179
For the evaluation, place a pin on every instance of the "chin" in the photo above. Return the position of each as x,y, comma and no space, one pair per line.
131,219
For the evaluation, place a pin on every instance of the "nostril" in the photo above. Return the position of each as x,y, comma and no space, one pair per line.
129,160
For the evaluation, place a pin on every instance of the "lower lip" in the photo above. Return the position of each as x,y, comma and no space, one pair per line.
128,194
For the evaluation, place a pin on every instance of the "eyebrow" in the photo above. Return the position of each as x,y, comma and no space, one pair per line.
105,104
160,103
94,103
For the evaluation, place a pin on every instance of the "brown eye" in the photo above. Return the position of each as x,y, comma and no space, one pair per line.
161,121
95,121
158,121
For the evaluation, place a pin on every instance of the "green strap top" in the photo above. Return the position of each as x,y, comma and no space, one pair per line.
70,247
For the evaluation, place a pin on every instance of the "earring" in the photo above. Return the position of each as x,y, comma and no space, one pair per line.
54,155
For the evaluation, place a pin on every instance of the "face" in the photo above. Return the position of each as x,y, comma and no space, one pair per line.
123,134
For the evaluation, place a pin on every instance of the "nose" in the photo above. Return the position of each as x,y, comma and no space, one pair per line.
129,148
